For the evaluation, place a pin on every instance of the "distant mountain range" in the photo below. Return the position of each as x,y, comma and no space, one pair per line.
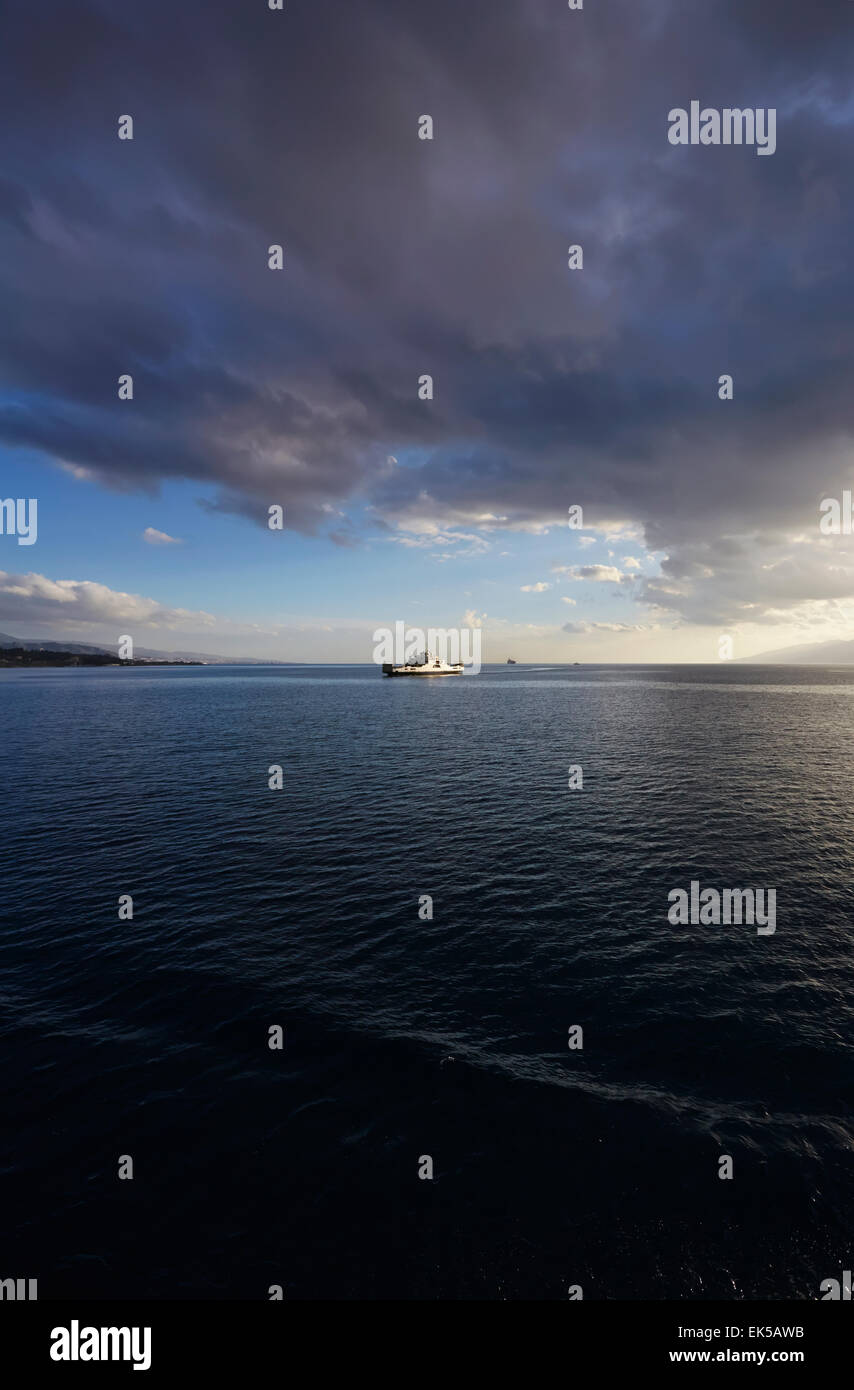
812,654
146,653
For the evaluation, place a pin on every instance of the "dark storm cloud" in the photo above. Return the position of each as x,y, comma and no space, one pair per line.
406,257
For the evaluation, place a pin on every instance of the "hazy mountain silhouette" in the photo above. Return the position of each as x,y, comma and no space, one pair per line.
86,648
810,654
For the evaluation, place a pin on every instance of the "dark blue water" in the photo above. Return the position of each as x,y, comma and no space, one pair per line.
299,907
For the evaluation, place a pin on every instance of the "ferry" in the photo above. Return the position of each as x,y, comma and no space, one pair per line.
430,666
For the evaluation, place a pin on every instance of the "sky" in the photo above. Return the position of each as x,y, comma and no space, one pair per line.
596,387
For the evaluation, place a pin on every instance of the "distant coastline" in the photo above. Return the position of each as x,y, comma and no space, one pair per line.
44,650
26,656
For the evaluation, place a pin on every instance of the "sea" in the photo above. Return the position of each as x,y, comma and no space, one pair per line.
504,1073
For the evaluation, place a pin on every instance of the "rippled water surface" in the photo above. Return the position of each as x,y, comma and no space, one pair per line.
299,907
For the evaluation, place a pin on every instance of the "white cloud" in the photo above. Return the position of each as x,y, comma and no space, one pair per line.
538,588
570,601
473,619
429,536
597,574
154,537
586,628
80,602
621,627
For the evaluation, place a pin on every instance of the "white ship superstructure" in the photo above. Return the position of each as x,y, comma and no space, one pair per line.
429,666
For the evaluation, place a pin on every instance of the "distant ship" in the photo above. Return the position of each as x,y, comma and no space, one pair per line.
430,666
510,661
